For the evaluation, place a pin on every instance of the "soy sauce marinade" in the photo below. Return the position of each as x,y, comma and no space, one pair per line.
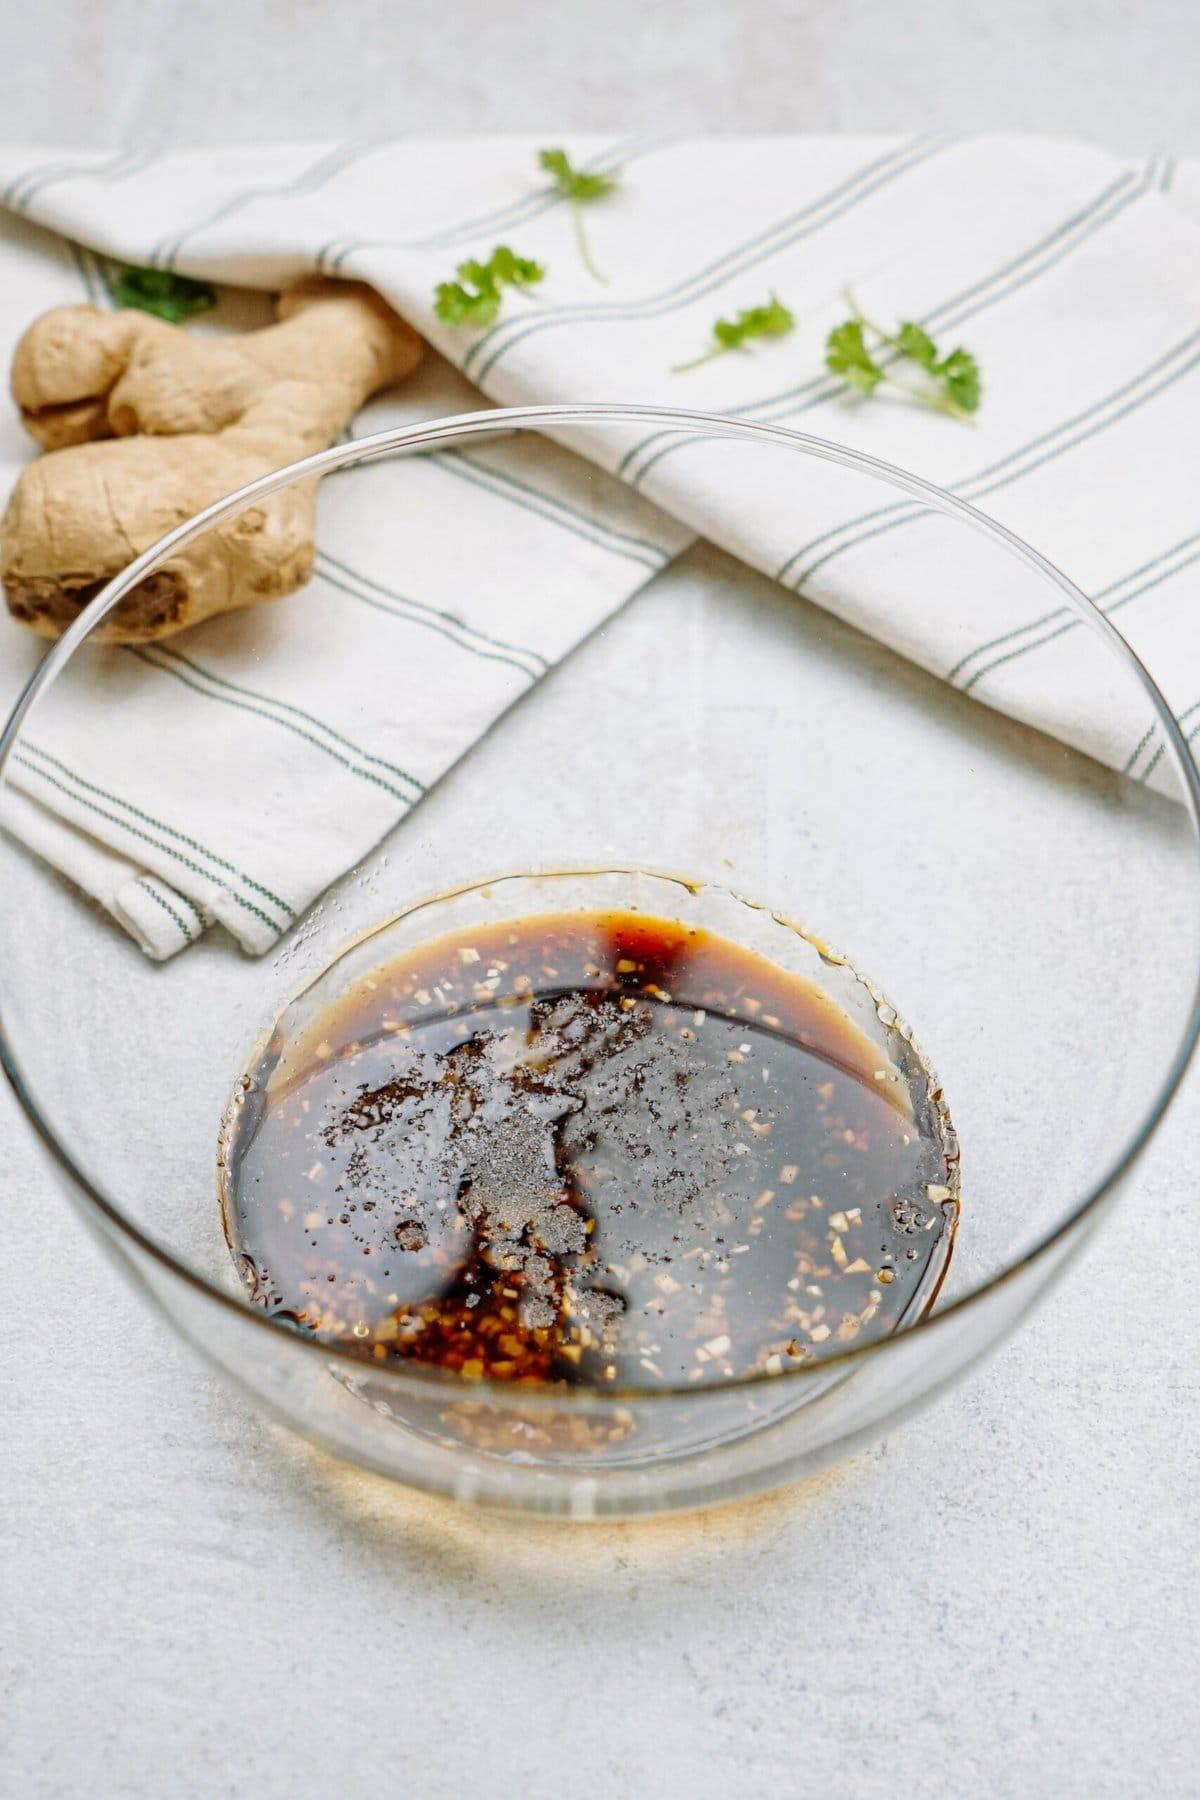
589,1147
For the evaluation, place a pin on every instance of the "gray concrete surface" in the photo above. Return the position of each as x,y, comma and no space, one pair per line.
998,1600
158,71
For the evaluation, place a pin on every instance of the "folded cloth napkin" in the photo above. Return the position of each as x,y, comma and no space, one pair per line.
1073,275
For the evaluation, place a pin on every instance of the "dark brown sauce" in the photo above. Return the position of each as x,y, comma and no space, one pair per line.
591,1147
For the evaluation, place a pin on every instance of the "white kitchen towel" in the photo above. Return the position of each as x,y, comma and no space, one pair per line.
1074,276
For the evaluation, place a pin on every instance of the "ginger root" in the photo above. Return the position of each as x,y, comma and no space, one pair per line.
144,424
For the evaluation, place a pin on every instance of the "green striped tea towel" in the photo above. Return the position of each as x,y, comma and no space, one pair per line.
1073,275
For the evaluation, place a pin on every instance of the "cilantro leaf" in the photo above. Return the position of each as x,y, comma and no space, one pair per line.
163,293
769,321
959,375
474,273
474,299
578,186
520,271
572,183
915,342
846,354
456,304
949,384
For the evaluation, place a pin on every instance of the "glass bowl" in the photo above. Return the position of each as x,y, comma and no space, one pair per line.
719,752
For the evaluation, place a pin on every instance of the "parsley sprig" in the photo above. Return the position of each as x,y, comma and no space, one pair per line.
952,383
474,299
578,186
769,321
163,293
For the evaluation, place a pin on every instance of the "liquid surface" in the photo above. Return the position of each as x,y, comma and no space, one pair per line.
586,1147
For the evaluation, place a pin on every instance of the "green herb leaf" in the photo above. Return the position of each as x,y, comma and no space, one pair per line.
846,354
520,271
915,342
474,299
951,383
163,293
959,375
456,304
573,183
578,186
769,321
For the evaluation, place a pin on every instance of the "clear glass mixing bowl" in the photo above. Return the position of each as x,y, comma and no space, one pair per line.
1032,913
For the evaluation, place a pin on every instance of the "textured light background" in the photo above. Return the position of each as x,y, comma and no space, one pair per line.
166,70
1000,1599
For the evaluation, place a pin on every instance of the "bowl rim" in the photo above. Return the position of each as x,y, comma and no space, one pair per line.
430,434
